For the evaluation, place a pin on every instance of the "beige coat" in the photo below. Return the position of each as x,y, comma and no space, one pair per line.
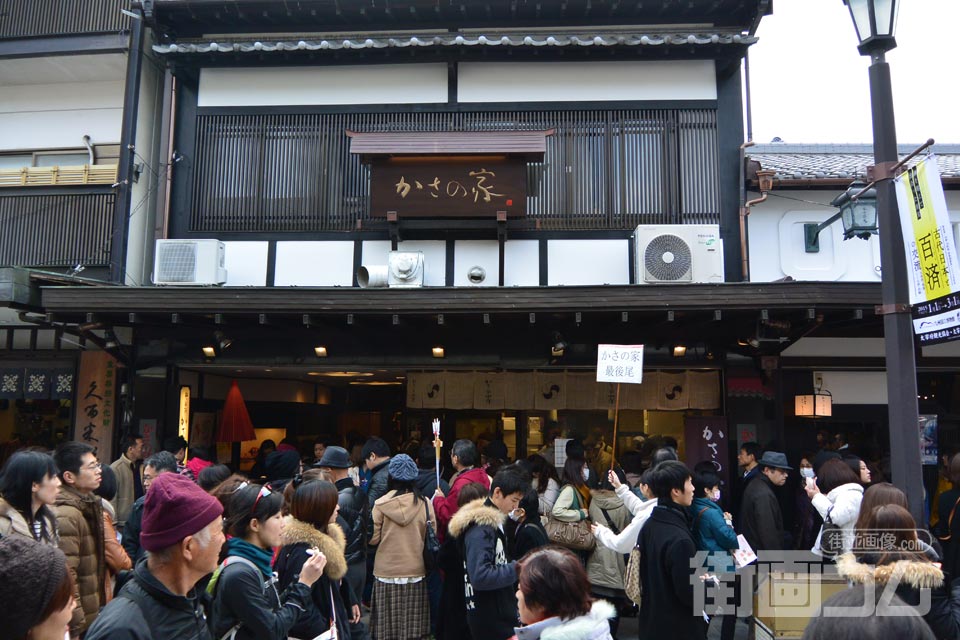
399,526
12,523
125,497
80,518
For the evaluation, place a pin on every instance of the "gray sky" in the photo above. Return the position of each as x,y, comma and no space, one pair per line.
809,83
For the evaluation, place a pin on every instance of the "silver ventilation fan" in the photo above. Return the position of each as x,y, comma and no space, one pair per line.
667,258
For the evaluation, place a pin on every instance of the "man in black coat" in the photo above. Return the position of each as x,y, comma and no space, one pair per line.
667,548
761,521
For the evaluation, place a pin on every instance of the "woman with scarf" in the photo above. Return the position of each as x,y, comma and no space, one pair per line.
312,525
573,503
246,603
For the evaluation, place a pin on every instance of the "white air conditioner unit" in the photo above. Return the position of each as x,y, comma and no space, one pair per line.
403,269
189,262
672,253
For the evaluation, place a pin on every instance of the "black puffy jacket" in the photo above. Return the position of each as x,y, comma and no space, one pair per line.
376,489
353,510
146,610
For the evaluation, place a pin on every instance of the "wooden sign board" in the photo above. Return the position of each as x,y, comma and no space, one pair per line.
96,389
448,187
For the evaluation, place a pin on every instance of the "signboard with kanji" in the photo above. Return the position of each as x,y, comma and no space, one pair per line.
96,391
933,267
620,363
442,187
705,439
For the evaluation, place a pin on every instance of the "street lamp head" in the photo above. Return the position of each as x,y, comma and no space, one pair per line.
876,24
858,215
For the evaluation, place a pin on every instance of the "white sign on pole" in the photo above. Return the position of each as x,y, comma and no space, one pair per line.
620,363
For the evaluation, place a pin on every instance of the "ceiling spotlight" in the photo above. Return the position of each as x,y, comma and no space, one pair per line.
209,352
321,351
222,340
679,351
438,352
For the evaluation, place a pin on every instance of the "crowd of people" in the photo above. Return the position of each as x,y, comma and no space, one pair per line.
370,543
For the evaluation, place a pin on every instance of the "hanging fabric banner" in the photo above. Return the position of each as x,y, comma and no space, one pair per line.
705,440
431,389
518,390
488,392
673,393
704,389
61,384
550,391
933,270
458,391
11,384
36,384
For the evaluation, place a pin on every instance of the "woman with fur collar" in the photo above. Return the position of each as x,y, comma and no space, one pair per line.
841,504
892,555
246,602
554,599
312,525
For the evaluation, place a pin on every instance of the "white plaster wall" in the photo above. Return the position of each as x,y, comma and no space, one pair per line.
314,264
246,263
776,247
342,84
586,81
58,115
856,387
521,263
588,262
480,253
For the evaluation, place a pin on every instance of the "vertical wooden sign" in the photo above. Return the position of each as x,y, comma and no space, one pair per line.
94,414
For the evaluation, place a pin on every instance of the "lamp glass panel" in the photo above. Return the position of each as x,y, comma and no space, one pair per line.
886,14
824,405
865,215
846,217
860,12
803,405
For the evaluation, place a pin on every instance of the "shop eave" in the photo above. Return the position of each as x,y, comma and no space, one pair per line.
69,301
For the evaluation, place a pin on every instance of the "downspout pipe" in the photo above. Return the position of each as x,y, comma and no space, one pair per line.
128,139
744,212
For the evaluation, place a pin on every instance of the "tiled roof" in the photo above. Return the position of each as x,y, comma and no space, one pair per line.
813,163
228,45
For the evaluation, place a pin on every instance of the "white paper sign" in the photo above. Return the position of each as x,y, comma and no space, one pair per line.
745,554
621,363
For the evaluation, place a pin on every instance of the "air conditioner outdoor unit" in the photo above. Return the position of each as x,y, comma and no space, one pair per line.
671,253
189,262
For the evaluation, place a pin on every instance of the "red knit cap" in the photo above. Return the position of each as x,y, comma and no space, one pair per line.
174,509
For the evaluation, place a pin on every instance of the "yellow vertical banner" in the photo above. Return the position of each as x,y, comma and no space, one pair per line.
931,254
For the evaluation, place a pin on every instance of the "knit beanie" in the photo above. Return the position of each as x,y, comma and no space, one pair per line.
30,573
175,508
403,468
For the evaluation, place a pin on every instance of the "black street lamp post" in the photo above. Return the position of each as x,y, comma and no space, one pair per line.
875,22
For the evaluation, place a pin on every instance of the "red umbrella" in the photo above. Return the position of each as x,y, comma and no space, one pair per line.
235,425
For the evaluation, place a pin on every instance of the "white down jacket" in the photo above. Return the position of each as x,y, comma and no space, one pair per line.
843,507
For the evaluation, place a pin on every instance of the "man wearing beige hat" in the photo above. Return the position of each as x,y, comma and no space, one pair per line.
182,533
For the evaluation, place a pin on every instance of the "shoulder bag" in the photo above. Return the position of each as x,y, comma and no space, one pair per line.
431,545
572,535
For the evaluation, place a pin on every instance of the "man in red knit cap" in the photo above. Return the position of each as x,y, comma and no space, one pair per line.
182,533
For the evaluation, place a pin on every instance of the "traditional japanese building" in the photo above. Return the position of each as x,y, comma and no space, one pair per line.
371,215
